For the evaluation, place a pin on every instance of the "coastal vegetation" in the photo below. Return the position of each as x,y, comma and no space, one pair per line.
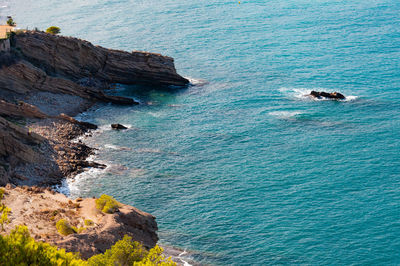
107,204
4,210
53,30
64,228
19,248
128,252
88,222
10,22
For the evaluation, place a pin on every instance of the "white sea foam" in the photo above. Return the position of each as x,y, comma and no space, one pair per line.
351,98
197,82
156,114
111,147
285,114
75,186
181,258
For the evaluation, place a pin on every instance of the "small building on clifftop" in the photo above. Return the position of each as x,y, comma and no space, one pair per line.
4,29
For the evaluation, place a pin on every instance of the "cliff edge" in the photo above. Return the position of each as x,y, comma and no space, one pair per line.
75,59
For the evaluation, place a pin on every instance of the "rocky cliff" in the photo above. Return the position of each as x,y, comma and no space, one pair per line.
43,79
76,59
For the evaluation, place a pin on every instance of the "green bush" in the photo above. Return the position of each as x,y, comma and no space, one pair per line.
107,204
2,191
53,30
64,228
88,222
128,252
10,22
19,248
4,211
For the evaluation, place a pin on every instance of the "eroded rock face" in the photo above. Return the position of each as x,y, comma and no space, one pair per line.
77,59
22,78
17,145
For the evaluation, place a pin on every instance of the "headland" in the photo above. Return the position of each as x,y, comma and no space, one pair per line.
45,80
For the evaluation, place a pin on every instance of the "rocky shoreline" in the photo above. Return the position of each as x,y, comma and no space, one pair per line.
44,81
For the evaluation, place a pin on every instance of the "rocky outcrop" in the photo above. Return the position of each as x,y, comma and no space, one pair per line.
21,78
329,95
41,208
19,110
118,126
76,59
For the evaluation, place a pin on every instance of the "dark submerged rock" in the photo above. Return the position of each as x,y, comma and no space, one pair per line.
118,126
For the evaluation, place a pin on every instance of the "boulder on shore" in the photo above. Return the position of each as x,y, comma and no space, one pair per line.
330,95
118,126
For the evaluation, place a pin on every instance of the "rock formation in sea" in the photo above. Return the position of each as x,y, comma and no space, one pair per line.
118,126
329,95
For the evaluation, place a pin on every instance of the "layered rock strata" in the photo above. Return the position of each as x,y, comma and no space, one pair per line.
76,59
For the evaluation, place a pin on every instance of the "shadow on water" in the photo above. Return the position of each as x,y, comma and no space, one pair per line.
148,94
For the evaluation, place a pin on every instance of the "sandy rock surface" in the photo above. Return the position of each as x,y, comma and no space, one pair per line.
39,209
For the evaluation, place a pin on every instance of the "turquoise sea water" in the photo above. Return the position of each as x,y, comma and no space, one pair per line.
241,168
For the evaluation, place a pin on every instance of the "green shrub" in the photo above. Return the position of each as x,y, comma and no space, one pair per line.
10,22
64,228
107,204
128,252
81,229
19,248
88,222
53,30
4,211
2,191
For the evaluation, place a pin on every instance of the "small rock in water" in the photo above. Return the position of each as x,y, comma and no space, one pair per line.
330,95
118,126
